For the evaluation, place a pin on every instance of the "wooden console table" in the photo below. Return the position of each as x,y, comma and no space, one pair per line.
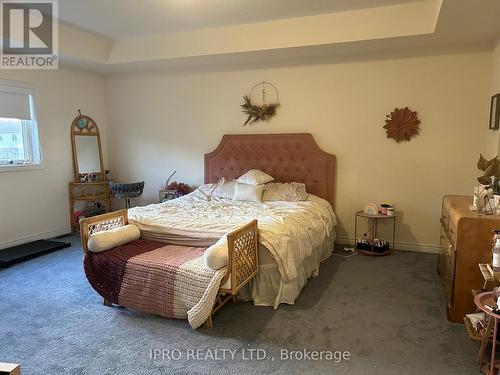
88,192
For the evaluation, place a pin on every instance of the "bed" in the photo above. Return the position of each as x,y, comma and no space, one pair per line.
294,237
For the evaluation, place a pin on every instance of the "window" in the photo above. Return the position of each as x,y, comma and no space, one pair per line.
19,143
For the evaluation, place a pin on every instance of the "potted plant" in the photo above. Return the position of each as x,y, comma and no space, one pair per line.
179,188
491,173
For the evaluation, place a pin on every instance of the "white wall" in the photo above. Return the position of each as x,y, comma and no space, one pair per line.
495,89
493,136
162,122
34,204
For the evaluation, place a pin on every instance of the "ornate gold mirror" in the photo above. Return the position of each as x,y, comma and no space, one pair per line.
87,151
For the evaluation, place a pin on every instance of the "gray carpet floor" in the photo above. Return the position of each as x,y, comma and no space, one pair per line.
388,313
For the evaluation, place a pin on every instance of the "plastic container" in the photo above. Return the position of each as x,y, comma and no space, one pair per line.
496,256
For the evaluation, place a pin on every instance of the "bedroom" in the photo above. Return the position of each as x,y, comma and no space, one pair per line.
164,83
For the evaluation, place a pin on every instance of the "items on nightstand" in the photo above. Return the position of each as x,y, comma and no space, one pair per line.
384,209
174,190
375,245
371,209
371,245
376,209
168,179
166,195
180,188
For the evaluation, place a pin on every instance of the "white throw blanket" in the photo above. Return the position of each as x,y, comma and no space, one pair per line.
289,230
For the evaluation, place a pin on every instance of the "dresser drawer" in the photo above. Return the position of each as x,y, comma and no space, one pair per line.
449,227
445,220
446,265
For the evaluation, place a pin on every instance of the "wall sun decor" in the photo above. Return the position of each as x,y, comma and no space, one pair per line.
264,111
402,124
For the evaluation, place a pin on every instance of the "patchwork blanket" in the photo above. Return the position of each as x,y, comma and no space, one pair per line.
167,280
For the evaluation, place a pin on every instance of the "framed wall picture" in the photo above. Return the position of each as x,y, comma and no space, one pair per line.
495,111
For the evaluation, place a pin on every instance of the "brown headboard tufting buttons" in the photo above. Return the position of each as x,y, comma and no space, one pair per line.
293,157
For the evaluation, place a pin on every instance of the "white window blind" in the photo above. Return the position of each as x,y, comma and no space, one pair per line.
19,141
15,102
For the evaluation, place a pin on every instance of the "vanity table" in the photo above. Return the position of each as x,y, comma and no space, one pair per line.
89,194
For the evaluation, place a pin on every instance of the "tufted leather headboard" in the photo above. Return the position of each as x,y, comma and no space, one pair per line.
294,157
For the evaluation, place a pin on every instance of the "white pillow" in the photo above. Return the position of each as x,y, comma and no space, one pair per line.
109,239
289,192
215,257
207,189
249,193
224,189
255,177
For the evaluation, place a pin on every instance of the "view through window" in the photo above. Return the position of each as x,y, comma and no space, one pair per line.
19,143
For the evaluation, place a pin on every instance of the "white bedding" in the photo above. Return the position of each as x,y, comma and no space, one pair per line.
289,230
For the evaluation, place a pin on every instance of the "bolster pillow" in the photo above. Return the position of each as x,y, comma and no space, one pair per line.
215,257
105,240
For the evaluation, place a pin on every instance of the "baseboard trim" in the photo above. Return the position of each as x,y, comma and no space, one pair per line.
406,246
40,236
424,248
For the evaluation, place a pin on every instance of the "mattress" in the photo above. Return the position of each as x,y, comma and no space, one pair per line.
292,235
289,230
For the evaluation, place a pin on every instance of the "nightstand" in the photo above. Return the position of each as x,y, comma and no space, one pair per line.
375,218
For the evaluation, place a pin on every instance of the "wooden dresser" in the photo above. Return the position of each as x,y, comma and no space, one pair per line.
466,240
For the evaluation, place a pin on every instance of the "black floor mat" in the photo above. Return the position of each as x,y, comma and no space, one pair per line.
19,253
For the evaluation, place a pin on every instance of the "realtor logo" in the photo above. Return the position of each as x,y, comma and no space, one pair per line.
29,34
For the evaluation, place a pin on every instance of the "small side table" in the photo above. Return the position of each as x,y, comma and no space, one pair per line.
481,300
361,214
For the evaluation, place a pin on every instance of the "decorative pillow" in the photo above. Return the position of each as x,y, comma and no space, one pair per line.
289,192
224,189
215,257
207,189
255,177
108,239
250,193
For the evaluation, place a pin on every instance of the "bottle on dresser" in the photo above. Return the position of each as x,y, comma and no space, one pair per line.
496,251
